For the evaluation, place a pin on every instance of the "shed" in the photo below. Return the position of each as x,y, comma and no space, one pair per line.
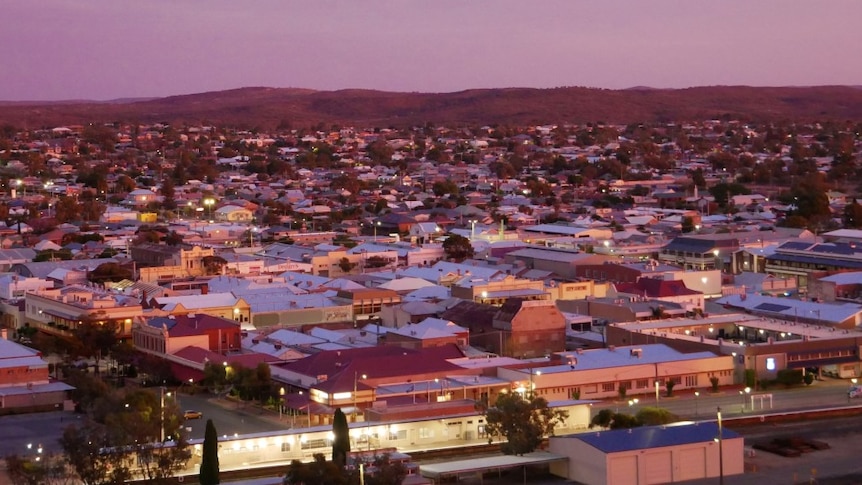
651,454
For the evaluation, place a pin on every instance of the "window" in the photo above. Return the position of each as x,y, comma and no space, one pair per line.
627,385
691,381
608,387
426,433
312,444
642,383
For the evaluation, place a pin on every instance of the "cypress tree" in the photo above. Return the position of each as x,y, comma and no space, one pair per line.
209,461
341,440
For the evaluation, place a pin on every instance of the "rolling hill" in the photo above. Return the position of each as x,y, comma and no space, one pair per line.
270,107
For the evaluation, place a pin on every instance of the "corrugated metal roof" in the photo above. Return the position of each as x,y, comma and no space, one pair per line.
653,437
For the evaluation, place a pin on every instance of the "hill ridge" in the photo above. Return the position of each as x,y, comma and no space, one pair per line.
268,107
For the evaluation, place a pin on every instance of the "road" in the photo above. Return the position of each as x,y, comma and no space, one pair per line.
17,431
229,417
827,393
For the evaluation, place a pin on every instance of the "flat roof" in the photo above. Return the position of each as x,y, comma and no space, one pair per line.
647,437
799,329
501,462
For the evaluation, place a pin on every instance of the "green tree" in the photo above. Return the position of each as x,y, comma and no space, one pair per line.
109,272
346,265
653,416
94,338
341,440
85,453
47,470
457,247
524,422
687,224
209,474
853,215
213,265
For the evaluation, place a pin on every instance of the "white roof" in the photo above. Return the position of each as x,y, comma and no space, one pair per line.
199,301
406,284
849,278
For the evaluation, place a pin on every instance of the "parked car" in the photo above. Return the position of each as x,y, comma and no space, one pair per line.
855,391
189,414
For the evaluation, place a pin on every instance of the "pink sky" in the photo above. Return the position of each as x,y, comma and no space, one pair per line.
108,49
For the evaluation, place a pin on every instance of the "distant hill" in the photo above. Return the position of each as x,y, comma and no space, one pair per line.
270,107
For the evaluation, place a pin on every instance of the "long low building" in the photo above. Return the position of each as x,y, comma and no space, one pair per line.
764,346
602,373
653,454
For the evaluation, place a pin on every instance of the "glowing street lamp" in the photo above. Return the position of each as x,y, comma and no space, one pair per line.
209,202
696,396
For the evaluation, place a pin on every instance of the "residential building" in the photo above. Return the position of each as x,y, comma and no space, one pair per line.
168,335
60,311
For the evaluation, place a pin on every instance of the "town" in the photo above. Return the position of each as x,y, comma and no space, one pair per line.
410,277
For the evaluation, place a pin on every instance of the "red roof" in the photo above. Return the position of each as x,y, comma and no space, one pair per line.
197,324
656,288
382,364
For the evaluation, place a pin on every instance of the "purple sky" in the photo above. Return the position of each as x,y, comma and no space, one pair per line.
108,49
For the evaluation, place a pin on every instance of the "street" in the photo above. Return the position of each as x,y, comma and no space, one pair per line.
45,429
827,393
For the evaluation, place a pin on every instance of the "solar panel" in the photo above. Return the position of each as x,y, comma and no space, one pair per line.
772,307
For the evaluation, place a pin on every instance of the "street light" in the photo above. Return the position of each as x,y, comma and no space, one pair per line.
533,386
280,402
473,228
633,402
744,393
355,384
696,396
853,382
208,202
720,450
376,225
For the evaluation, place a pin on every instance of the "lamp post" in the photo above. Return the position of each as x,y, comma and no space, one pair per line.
633,403
720,450
473,228
376,225
656,391
744,393
853,382
532,385
717,261
208,202
355,385
280,402
696,396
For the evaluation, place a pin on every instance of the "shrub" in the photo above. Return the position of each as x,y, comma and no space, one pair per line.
789,377
714,382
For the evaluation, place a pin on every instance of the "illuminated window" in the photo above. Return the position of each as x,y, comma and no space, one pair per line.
770,363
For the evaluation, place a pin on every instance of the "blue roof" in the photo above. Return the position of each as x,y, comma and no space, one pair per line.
653,436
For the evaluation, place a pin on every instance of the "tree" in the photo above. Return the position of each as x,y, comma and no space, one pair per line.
95,339
209,474
341,440
85,452
853,215
109,272
213,265
523,421
457,247
46,470
653,416
346,265
687,224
